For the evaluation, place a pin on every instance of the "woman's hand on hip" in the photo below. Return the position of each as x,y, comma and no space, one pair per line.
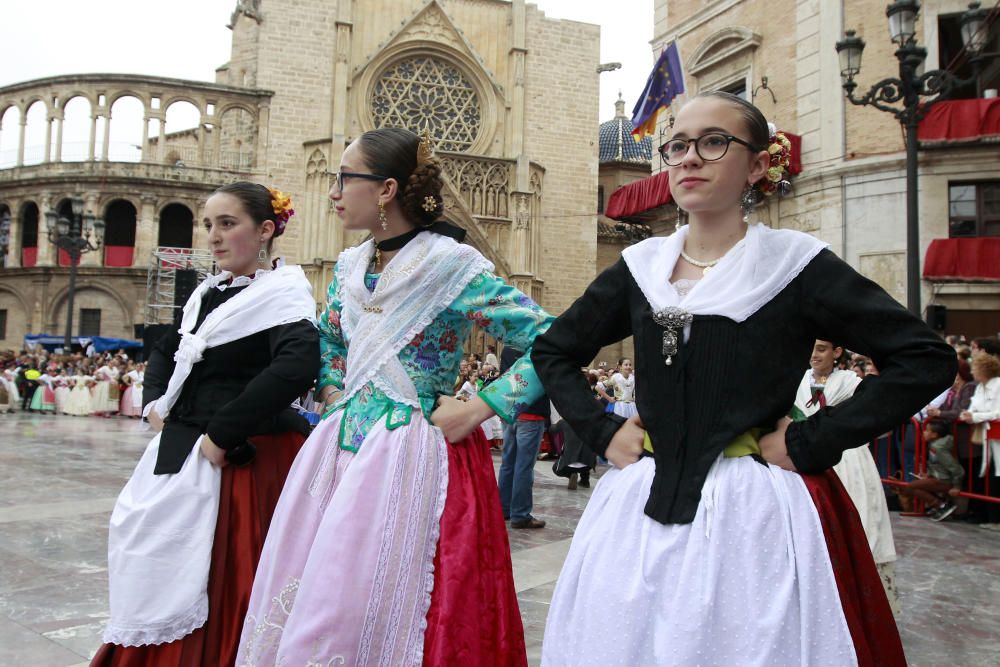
773,447
216,455
457,419
625,447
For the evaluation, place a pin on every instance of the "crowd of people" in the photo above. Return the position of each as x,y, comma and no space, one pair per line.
79,384
376,537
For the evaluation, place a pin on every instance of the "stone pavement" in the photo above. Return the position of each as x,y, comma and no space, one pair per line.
59,477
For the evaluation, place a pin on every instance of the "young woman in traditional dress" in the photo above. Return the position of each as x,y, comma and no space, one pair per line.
187,530
824,385
704,545
80,402
44,399
623,384
131,403
388,545
105,391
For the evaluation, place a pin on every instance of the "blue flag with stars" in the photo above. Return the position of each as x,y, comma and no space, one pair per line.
664,84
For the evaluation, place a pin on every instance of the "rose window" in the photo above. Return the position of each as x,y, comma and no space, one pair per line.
432,95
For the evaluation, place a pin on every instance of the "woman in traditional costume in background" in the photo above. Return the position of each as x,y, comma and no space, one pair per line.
388,546
187,530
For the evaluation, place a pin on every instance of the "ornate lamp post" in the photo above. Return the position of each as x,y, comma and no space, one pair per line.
74,236
908,98
4,237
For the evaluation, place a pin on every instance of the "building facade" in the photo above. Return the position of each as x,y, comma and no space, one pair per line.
505,93
852,189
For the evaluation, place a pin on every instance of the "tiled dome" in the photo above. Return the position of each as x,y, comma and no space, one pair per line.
616,142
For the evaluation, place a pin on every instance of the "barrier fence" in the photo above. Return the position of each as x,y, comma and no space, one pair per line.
901,456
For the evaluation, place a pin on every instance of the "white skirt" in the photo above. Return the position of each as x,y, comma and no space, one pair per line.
859,475
626,410
748,582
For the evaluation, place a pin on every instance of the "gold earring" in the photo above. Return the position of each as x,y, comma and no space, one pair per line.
381,217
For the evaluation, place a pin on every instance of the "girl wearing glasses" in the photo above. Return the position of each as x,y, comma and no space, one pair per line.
721,536
388,544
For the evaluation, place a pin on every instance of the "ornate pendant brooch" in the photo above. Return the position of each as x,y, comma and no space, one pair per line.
673,320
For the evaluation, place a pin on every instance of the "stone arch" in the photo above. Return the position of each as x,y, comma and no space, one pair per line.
36,114
237,137
398,54
76,122
126,113
86,289
176,226
10,121
118,94
65,98
181,122
120,217
721,46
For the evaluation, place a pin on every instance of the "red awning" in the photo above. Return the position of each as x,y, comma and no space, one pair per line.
638,197
961,120
963,259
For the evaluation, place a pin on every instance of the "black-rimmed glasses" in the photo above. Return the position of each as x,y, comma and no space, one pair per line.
341,175
709,147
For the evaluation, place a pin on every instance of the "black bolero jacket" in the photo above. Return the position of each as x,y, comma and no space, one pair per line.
729,377
239,389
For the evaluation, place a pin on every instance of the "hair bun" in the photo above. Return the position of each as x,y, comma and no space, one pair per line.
422,200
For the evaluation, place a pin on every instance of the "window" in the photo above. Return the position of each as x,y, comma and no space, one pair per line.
427,94
3,323
974,209
90,322
953,57
739,89
600,199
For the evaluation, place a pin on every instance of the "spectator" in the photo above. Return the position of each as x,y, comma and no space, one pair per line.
943,481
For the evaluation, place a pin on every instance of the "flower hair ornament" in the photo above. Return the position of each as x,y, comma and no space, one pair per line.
780,150
281,204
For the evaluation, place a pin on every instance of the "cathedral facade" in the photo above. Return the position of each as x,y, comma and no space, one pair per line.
508,96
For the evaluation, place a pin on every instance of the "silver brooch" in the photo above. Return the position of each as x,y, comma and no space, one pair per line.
673,320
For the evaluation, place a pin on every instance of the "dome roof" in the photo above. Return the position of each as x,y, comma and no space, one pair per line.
616,142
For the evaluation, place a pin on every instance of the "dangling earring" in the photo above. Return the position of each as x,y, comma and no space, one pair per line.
381,217
262,255
747,202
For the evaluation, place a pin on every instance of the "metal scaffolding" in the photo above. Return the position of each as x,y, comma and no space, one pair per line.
161,280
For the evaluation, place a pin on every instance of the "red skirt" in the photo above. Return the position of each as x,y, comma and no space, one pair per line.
862,596
474,618
246,503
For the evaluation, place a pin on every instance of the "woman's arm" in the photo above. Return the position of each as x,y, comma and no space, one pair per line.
294,359
160,367
333,349
915,364
512,317
598,318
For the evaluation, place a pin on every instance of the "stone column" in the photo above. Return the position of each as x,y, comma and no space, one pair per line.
263,121
146,232
20,140
46,251
48,140
105,151
61,118
145,136
332,240
14,247
92,143
201,139
161,147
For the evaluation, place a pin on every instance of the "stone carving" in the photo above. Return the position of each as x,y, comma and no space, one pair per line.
484,184
248,8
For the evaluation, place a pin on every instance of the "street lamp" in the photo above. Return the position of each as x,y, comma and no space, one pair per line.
4,237
74,236
908,98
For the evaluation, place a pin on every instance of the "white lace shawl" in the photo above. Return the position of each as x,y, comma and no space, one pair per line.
752,273
423,279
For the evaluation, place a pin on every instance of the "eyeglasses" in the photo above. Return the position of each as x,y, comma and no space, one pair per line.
709,147
341,175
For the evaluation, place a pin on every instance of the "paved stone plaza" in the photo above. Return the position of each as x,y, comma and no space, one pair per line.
60,475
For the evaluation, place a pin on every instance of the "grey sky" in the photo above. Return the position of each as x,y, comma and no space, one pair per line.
188,39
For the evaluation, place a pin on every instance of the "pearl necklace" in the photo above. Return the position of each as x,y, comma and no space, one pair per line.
704,266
